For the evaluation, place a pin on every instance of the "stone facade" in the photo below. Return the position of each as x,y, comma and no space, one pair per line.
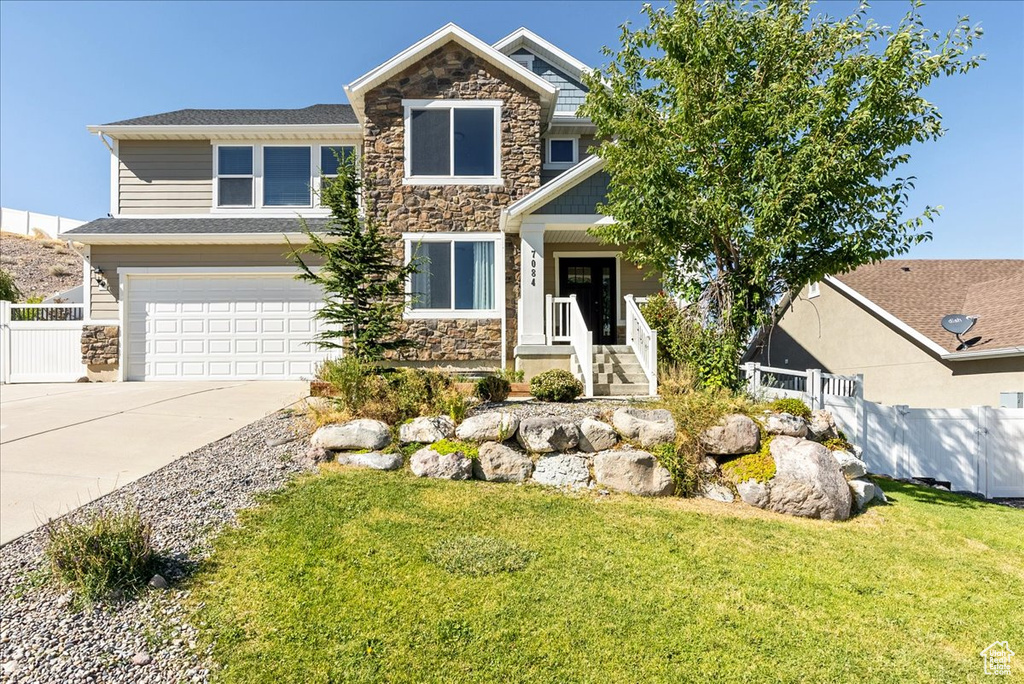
100,345
452,72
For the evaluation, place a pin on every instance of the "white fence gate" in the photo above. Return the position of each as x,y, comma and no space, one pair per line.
41,342
978,449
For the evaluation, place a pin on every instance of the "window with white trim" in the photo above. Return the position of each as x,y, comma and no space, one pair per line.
331,157
235,176
562,153
452,141
286,176
457,274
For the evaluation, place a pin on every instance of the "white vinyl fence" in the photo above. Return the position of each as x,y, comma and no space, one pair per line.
25,222
978,449
41,342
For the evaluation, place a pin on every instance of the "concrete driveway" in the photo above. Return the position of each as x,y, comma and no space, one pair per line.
64,445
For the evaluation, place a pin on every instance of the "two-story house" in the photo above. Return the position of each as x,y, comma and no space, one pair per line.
475,159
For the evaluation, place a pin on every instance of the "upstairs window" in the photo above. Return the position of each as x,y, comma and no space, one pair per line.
562,153
329,158
234,176
286,175
452,141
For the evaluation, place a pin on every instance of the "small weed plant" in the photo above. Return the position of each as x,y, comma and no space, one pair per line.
792,406
555,385
456,446
837,444
110,551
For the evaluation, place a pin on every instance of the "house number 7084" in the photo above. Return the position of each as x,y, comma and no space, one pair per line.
533,268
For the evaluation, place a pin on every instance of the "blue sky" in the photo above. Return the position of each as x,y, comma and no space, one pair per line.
65,65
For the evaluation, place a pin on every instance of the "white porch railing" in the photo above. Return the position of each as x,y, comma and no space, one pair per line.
582,341
558,319
643,341
41,342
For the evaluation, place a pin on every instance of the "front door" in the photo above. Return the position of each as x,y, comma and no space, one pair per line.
592,280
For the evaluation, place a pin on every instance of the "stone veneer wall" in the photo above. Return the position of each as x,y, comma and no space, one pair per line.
100,351
451,73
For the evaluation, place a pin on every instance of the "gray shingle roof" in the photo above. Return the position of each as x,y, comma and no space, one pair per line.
194,226
313,115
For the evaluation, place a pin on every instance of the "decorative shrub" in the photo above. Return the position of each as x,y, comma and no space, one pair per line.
108,551
456,446
493,388
9,291
674,329
476,556
792,406
759,466
392,395
555,385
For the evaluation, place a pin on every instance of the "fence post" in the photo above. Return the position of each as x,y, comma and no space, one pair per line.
813,388
858,407
981,420
900,441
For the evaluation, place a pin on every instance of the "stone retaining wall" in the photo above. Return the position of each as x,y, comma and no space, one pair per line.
101,351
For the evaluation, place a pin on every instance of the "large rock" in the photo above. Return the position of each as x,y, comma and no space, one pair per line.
753,492
493,426
428,463
822,426
362,433
717,492
373,459
426,430
544,434
734,435
596,435
863,492
564,470
499,463
880,495
635,472
785,424
649,428
851,466
808,481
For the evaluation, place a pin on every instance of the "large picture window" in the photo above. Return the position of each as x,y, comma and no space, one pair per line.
286,177
451,141
455,274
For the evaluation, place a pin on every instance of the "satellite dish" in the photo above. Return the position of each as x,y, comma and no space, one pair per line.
959,324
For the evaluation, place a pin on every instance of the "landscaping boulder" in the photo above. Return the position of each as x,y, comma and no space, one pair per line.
808,481
707,466
822,426
314,455
851,466
734,435
863,492
648,427
635,472
499,463
362,433
563,470
717,492
596,435
493,426
544,434
425,430
371,459
785,424
880,495
753,492
428,463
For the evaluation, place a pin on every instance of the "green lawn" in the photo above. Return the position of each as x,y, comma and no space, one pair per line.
342,577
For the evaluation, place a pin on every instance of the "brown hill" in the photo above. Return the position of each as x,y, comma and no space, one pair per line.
41,267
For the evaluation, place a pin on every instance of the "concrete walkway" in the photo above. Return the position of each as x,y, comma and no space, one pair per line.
64,445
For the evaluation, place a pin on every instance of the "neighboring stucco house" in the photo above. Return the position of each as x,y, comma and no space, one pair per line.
884,320
475,158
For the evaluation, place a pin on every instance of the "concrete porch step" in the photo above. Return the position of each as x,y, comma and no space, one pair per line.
612,366
612,349
624,359
621,389
620,378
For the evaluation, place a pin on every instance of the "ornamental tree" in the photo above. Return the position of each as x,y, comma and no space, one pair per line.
754,148
361,275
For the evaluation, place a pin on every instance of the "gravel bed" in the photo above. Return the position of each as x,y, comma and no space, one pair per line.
576,410
149,639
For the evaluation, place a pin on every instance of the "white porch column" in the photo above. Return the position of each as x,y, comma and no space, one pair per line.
531,280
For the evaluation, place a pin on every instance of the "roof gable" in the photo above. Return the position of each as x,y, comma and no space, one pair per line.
446,34
523,37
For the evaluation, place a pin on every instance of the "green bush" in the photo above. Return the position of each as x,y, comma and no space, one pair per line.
792,406
393,395
493,388
555,385
109,551
759,466
9,291
675,331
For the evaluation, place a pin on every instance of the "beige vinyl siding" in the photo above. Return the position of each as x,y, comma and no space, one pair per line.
165,177
631,279
109,258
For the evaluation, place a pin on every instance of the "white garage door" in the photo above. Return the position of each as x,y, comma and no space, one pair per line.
252,327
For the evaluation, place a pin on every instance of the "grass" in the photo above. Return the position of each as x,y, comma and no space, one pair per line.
356,576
